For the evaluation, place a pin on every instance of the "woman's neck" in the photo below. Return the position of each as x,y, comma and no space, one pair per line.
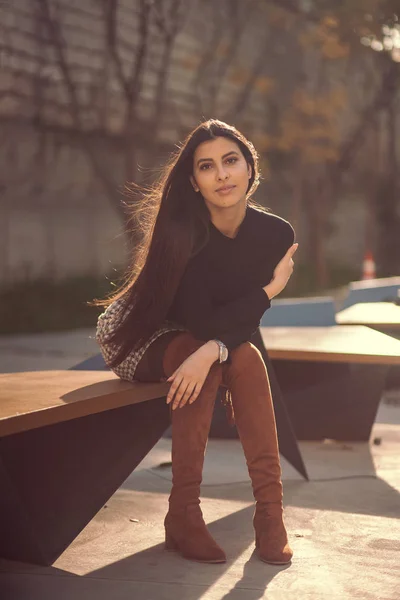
229,224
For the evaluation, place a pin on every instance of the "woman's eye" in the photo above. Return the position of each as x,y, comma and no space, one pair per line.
203,167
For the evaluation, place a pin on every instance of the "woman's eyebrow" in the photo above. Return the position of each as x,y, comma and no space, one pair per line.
224,156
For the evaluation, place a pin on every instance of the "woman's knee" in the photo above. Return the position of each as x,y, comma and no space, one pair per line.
245,358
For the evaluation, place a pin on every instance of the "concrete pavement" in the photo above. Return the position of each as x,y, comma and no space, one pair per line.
343,525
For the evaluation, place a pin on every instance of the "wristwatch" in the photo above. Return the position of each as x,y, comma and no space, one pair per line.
223,351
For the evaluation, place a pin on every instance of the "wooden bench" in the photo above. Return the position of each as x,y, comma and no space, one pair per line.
68,440
382,316
331,378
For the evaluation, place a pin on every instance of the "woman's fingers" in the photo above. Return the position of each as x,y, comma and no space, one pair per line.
287,259
181,392
178,394
196,389
174,387
286,262
186,396
182,395
290,252
196,392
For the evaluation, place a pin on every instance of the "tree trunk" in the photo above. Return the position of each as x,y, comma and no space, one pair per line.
387,205
316,212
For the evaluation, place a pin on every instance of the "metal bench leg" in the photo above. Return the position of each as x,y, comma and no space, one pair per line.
336,401
54,479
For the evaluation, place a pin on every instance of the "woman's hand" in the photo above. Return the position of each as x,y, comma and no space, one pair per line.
189,377
282,273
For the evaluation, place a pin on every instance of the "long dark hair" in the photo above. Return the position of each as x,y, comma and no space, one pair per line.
176,227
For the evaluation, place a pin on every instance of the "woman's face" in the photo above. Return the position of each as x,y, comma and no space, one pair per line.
217,164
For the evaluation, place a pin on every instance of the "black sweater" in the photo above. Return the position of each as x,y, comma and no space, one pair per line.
220,294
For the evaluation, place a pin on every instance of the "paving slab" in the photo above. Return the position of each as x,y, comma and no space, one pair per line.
41,351
344,525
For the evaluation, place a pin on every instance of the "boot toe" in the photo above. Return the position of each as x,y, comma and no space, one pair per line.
282,557
213,555
187,533
202,548
271,540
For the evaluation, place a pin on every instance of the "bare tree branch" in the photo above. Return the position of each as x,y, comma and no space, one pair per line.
169,22
58,45
110,20
170,19
237,27
206,59
247,89
384,96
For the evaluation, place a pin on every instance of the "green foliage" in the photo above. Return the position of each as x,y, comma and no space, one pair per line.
45,305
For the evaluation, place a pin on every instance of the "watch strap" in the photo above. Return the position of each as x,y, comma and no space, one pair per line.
223,351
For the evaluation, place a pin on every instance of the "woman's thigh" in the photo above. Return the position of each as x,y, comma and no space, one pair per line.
150,367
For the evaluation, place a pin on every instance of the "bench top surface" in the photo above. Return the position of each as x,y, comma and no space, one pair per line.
339,343
370,313
37,398
365,284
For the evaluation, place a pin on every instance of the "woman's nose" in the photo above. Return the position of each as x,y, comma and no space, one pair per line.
221,173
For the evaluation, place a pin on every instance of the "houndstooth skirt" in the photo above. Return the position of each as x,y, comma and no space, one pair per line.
106,323
127,368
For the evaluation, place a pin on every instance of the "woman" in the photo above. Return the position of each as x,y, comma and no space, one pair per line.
210,263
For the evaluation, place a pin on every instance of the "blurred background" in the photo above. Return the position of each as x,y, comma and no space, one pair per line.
95,94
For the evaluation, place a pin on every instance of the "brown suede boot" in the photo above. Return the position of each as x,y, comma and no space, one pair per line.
247,379
185,529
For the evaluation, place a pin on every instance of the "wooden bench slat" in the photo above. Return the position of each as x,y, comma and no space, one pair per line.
351,344
370,313
37,398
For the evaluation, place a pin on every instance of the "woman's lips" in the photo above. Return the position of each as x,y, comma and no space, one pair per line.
226,190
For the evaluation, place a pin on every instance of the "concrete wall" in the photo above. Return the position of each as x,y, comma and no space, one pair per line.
56,219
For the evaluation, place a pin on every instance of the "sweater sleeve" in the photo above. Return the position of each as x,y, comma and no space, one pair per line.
285,236
242,330
207,321
233,339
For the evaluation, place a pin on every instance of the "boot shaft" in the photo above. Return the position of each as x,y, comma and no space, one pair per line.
190,425
248,381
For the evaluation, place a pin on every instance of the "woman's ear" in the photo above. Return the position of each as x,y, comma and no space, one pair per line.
249,170
193,182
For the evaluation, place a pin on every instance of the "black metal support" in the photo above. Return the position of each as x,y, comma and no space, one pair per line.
54,479
331,400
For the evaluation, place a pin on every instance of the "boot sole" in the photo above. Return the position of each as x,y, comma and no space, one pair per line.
210,562
276,563
270,562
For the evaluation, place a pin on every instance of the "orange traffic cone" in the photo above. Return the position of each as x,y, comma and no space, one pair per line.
369,267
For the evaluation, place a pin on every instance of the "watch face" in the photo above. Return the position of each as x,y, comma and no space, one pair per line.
224,354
